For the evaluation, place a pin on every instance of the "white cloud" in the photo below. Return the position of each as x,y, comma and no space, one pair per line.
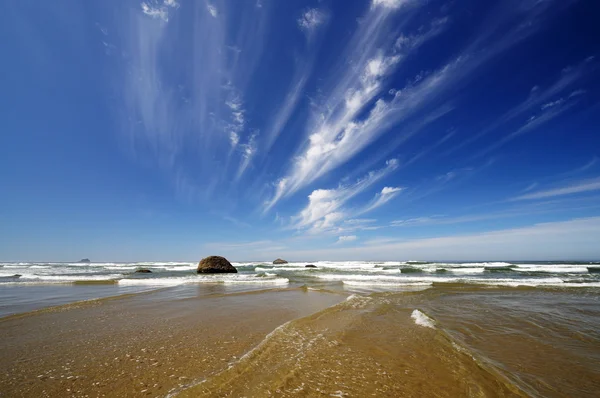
333,143
413,221
360,221
347,238
171,3
236,123
582,186
211,9
339,131
234,138
393,4
390,190
381,198
558,102
181,104
155,12
311,19
577,238
248,152
325,209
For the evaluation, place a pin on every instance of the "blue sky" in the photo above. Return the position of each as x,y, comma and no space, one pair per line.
375,129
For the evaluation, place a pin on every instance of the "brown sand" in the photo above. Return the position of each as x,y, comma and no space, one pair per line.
300,342
142,345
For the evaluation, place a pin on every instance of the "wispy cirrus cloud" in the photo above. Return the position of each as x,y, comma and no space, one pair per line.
209,112
381,198
248,152
548,112
330,138
181,116
309,22
574,188
540,106
342,130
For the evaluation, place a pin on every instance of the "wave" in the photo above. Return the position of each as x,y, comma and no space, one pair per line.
509,268
410,270
198,279
383,281
69,278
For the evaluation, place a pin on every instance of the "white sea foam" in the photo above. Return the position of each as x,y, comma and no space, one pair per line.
357,301
486,264
257,281
155,282
69,278
465,270
422,320
552,268
385,284
196,279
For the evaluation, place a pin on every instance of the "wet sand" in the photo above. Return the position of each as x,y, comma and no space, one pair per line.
141,345
202,341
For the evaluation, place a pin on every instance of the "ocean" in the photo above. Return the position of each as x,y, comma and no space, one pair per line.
346,329
60,283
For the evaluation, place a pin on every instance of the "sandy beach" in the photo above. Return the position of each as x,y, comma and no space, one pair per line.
443,341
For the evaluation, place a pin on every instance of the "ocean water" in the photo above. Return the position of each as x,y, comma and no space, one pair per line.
50,284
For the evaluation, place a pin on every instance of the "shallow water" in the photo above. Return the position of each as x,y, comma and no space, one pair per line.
547,341
445,340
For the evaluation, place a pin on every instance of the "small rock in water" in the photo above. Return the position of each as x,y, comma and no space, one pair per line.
310,266
143,271
280,261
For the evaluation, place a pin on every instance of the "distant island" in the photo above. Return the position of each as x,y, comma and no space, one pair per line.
85,260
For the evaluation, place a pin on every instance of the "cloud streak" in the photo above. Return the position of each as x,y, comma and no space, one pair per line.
579,187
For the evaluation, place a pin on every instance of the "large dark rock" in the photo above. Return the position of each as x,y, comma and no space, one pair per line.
215,265
280,261
85,260
143,271
310,266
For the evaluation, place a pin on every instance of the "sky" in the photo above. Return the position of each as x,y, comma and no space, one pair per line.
309,130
